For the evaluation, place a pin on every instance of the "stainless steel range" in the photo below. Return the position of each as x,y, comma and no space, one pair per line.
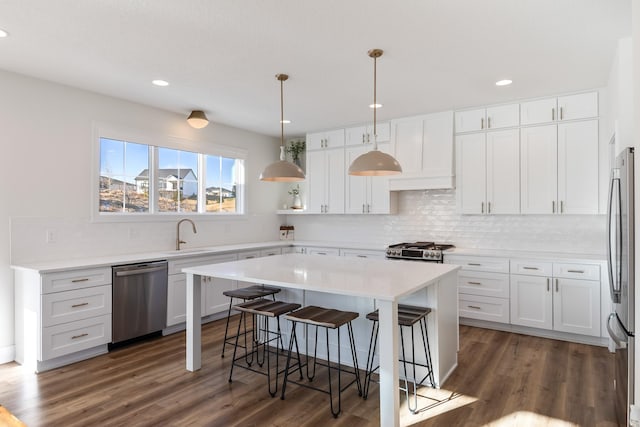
424,251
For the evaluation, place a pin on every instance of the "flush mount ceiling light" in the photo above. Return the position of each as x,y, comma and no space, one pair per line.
3,33
197,119
282,170
375,162
161,83
505,82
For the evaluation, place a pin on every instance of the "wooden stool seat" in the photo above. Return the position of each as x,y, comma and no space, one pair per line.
265,307
251,292
320,316
408,315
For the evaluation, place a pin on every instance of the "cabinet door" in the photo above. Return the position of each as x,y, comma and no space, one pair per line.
316,181
314,141
334,138
538,169
408,140
540,111
335,172
356,135
503,172
503,116
356,186
580,106
215,301
578,167
471,173
378,195
576,306
177,299
470,120
531,301
383,130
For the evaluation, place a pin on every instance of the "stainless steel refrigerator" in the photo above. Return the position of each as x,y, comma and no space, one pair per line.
620,254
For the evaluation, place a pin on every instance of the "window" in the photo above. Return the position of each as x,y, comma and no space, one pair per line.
139,179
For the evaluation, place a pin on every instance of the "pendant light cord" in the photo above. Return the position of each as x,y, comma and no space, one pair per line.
375,105
282,113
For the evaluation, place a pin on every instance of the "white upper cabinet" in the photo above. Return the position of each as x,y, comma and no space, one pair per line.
559,168
368,194
496,117
325,181
360,135
471,173
328,139
423,145
570,107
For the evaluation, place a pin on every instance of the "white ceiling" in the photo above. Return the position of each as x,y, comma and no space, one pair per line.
221,56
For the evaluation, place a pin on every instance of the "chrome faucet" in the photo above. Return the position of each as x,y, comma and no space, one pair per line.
178,241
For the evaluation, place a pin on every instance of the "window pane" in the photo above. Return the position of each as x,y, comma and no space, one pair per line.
121,164
221,184
177,181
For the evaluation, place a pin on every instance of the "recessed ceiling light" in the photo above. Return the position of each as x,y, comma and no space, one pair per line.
3,33
375,105
160,83
505,82
286,122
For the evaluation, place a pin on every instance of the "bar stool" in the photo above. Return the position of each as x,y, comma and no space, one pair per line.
328,319
245,294
408,316
264,309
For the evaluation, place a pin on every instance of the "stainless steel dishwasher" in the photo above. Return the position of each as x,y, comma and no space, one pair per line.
139,299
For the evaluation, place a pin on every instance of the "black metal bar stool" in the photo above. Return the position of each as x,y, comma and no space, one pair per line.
245,294
329,319
263,309
408,316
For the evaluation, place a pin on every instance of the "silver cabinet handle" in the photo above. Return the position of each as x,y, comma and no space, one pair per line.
482,207
363,138
361,256
553,114
530,268
561,115
576,271
363,208
548,280
561,206
474,264
80,280
75,337
368,208
488,207
553,206
79,305
488,122
321,253
557,285
482,123
368,137
475,283
475,307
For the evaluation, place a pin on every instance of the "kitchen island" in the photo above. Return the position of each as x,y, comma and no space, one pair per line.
387,282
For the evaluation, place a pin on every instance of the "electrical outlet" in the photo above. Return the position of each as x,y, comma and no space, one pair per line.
51,236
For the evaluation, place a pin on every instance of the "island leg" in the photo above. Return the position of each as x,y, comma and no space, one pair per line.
194,347
388,342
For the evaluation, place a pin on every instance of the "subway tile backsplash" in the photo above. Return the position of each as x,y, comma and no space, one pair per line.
431,215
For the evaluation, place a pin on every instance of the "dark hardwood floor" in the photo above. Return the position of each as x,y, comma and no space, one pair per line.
503,379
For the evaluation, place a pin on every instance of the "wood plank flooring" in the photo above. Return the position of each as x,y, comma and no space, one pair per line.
503,379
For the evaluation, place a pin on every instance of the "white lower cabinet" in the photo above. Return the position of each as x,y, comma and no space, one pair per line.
559,303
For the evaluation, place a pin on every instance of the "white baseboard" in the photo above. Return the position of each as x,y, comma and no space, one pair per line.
7,354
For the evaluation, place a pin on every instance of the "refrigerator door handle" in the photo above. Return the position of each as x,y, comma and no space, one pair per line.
616,339
615,290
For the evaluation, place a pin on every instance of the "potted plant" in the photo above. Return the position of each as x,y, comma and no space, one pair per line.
295,192
295,148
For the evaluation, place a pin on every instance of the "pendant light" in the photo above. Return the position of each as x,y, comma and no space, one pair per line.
282,170
197,119
375,162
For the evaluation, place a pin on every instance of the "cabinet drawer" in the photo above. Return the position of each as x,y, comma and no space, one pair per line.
361,253
271,252
497,265
484,284
176,267
75,279
322,251
531,268
483,308
249,255
63,307
71,337
576,271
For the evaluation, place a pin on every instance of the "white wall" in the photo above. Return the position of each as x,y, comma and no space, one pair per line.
45,181
430,215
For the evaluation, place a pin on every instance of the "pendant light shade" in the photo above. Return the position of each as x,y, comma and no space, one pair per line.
282,170
197,119
375,162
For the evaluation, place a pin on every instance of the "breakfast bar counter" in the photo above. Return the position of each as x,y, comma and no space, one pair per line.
387,282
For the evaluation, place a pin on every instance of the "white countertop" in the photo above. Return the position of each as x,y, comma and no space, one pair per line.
376,278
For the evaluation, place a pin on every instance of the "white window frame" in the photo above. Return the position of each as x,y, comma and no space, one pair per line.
103,130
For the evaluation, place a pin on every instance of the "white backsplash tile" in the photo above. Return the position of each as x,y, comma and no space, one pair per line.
431,215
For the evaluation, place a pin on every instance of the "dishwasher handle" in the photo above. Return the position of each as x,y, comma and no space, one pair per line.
124,273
